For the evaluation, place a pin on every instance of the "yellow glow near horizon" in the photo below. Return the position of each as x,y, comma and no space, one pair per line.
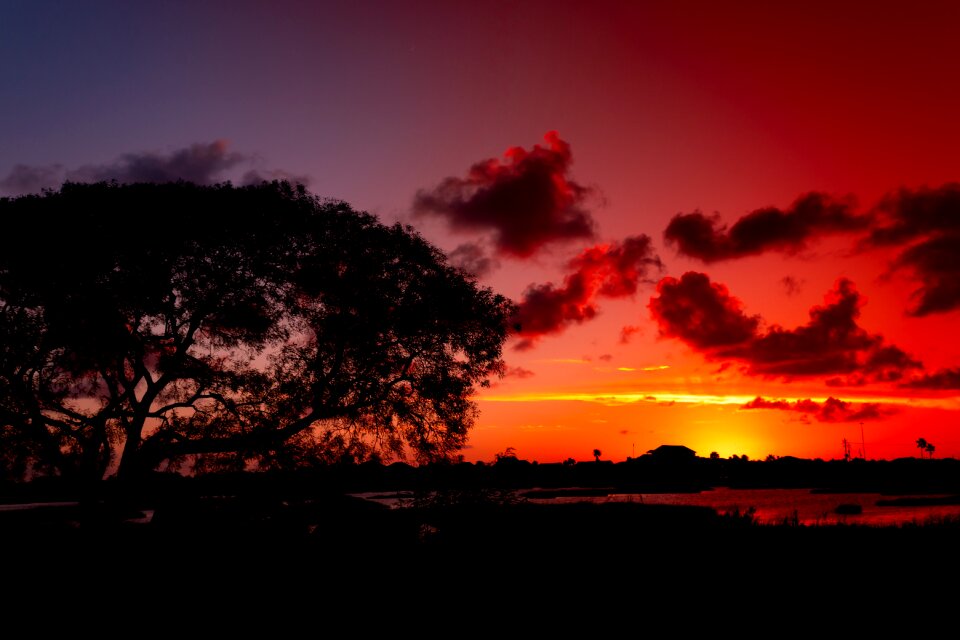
620,398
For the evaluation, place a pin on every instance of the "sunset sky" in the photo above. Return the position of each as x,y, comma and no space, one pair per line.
733,226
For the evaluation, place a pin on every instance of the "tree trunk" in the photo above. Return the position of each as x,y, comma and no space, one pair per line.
129,471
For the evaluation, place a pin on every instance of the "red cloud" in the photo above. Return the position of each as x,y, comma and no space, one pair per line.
527,200
609,270
924,223
927,223
701,313
768,229
830,410
907,215
943,379
706,317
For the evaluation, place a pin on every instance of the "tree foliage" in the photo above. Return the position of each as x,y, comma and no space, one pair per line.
151,325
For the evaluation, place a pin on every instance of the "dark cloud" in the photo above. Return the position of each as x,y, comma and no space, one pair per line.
907,215
606,357
926,223
806,406
831,343
768,229
518,372
546,308
830,410
791,286
934,262
701,313
24,179
609,270
706,317
201,163
256,176
943,379
473,258
883,364
527,200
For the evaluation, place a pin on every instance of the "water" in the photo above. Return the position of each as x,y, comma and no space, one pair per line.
775,506
770,506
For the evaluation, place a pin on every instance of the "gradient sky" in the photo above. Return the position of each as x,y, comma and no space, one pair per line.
733,226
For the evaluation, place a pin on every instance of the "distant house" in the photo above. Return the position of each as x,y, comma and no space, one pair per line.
672,453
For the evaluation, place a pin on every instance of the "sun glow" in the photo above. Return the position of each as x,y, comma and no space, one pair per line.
660,397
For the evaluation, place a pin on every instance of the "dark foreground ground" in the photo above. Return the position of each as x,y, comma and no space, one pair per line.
289,557
254,558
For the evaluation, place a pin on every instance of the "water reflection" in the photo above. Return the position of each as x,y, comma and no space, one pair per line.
801,506
770,506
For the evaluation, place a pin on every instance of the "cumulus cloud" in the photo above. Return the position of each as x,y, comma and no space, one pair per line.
926,222
830,410
701,313
769,229
612,270
518,372
705,316
201,163
526,200
943,379
830,343
908,214
887,363
923,223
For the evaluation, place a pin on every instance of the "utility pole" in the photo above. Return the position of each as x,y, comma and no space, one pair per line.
863,444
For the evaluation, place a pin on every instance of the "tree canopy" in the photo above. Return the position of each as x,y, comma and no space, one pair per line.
148,326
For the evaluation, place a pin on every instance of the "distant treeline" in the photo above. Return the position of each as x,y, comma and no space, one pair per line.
643,474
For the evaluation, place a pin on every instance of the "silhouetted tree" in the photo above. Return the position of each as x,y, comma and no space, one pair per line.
596,454
261,324
714,455
922,445
930,449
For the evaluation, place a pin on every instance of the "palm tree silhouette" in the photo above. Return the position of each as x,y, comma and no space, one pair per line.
922,445
930,449
597,454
